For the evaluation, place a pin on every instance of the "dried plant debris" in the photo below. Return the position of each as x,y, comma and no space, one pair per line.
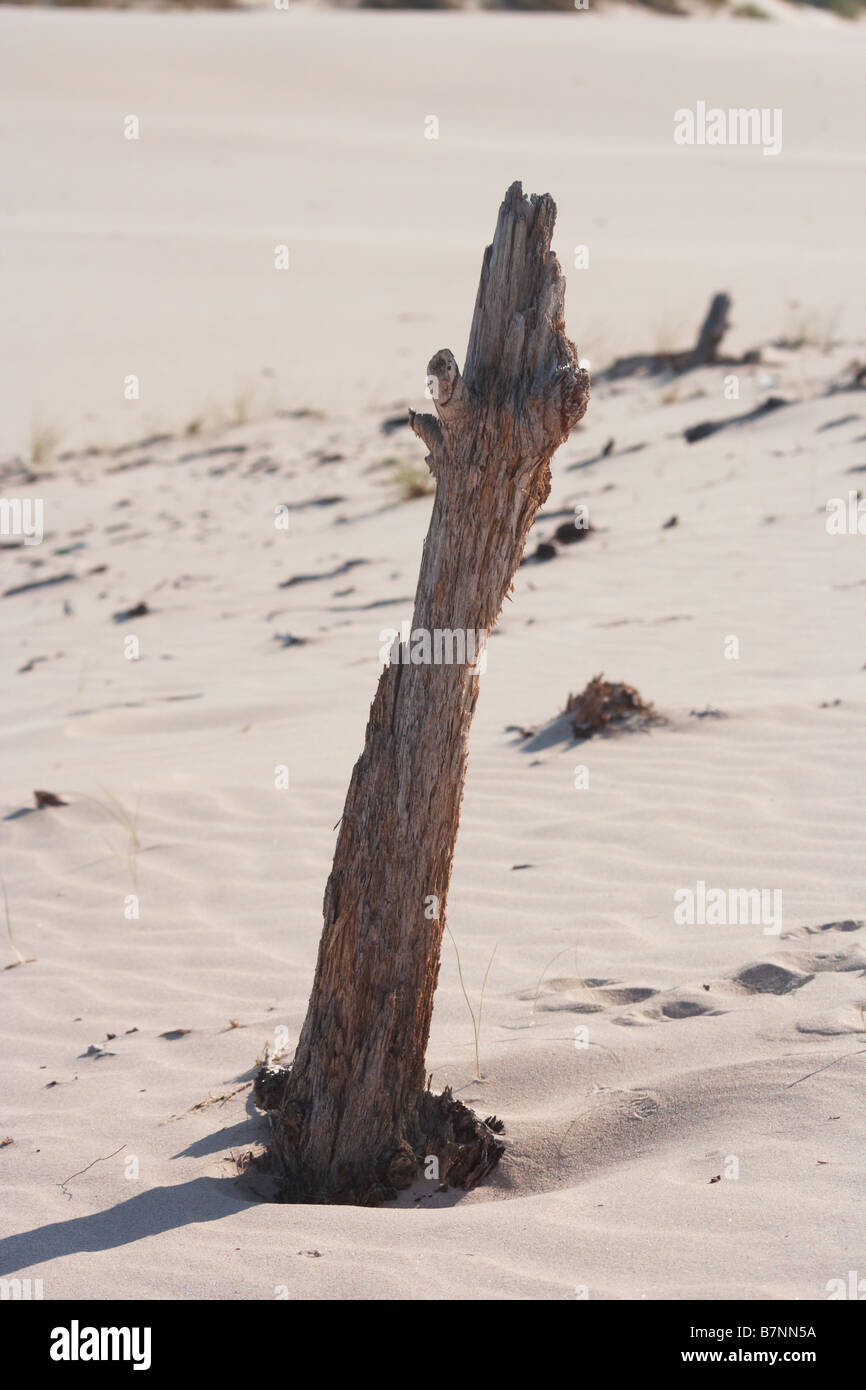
36,660
695,433
394,422
567,533
325,574
607,706
545,550
125,615
43,798
38,584
212,1100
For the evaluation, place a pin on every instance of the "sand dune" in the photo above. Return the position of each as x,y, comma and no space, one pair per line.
306,128
704,1043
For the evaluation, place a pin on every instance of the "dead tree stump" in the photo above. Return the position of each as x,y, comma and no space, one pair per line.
712,331
352,1118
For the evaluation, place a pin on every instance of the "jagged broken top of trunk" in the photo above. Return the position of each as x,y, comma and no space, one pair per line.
521,372
517,343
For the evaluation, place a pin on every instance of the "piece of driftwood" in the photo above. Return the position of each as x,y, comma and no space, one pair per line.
713,328
712,331
352,1118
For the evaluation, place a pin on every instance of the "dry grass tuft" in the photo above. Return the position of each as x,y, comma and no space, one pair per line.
412,481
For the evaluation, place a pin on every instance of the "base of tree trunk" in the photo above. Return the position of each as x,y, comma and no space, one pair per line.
464,1146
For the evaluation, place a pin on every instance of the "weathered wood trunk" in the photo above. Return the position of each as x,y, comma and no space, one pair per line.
352,1119
712,331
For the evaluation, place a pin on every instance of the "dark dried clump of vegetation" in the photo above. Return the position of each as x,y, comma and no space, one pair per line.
605,706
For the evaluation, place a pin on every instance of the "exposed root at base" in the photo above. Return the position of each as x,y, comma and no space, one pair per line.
466,1149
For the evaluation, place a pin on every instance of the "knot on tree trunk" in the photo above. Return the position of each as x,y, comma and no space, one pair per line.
454,409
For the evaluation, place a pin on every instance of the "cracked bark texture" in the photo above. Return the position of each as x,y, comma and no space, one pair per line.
352,1119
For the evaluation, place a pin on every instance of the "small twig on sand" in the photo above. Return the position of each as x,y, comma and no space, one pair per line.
476,1023
568,1131
544,972
211,1100
22,960
9,922
105,1157
824,1068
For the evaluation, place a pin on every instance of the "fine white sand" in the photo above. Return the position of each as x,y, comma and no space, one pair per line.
711,1050
307,129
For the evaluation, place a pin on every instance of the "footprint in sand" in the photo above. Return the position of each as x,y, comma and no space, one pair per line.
783,974
666,1009
575,995
769,978
834,1023
850,924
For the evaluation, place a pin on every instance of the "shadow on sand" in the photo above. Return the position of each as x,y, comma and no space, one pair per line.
147,1214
